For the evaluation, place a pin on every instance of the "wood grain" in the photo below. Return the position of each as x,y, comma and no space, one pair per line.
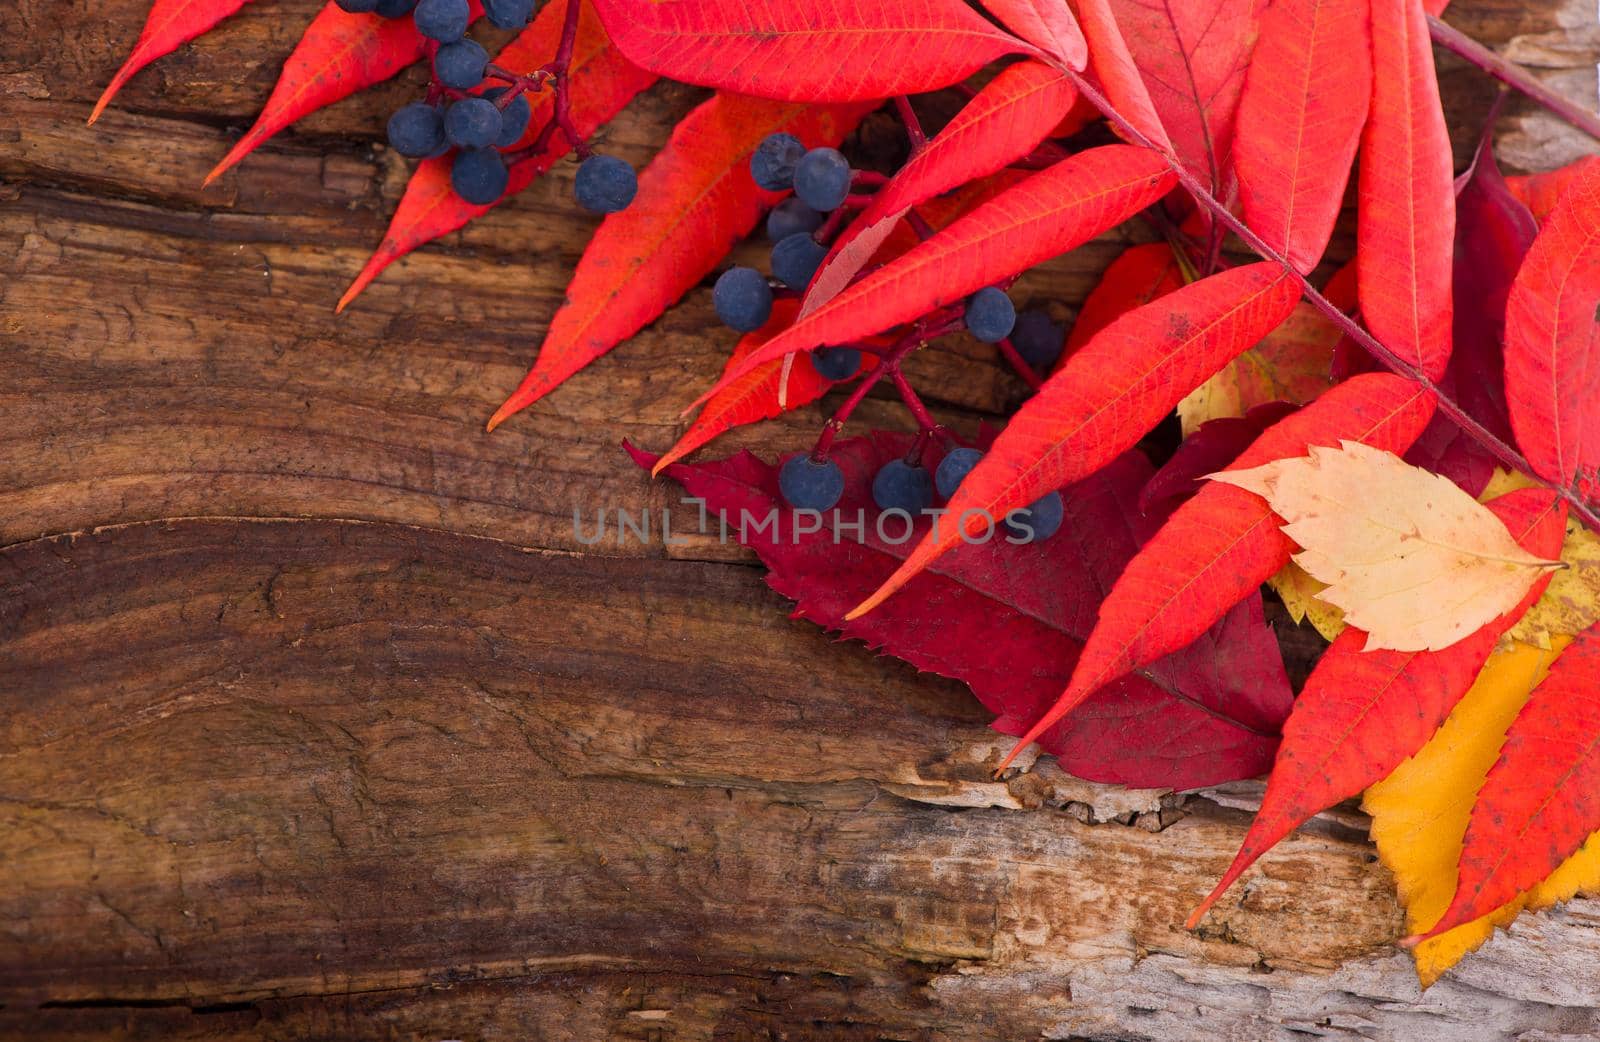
321,724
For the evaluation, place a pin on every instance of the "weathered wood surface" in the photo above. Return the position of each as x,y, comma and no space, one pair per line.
319,725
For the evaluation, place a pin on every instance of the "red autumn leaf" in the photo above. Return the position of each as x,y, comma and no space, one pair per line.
1118,73
1541,192
696,200
170,25
1541,800
1048,214
1047,24
1363,712
1192,58
1108,395
1405,226
1493,233
602,82
1011,618
1552,348
847,50
1300,119
1004,122
1139,275
340,54
1211,448
1225,542
755,395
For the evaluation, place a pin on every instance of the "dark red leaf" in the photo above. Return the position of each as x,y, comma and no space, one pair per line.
845,50
170,24
1010,619
1211,448
1493,233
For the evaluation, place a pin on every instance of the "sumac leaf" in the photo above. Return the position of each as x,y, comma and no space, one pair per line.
1005,121
340,54
1541,800
1553,340
1300,119
1107,396
696,201
1405,226
1047,24
1192,58
1046,215
169,25
845,50
1225,542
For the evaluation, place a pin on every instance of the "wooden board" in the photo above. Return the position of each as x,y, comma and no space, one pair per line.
321,724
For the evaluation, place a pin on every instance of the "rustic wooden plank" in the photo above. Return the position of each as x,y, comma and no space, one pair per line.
259,762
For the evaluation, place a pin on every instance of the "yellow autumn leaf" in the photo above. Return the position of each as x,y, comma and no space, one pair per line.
1292,364
1571,603
1420,812
1299,591
1407,555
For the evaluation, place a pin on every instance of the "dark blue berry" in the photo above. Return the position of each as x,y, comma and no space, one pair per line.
743,299
416,130
810,484
472,123
357,6
836,363
508,14
442,20
901,486
1038,520
822,179
791,217
772,165
795,260
479,176
1037,339
394,8
953,469
605,184
460,64
990,315
513,118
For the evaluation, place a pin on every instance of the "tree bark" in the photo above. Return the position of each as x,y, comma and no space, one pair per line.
321,723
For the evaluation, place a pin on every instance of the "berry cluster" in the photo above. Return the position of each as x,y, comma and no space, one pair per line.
483,127
824,187
809,482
